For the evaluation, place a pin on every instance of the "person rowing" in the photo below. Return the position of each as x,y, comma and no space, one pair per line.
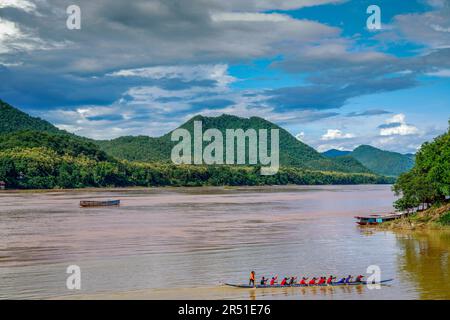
322,280
341,281
348,279
273,281
303,281
284,281
251,281
263,281
330,279
292,281
359,278
312,281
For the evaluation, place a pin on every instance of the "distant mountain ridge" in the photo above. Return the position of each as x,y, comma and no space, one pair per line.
333,153
292,151
17,130
379,161
387,163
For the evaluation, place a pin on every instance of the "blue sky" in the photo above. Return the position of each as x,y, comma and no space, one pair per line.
310,66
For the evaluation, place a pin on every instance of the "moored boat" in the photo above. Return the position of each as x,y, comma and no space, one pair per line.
104,203
375,219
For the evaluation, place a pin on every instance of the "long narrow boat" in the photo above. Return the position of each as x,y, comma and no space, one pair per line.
375,219
334,284
105,203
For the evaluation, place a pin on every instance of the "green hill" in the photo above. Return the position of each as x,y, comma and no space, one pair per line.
35,154
13,120
383,162
61,144
378,161
292,151
333,153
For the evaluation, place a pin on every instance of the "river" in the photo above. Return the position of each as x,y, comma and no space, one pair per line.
171,243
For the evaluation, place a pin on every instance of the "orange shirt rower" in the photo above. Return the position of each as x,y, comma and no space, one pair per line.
251,282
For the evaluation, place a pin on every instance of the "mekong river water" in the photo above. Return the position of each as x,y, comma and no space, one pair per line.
172,243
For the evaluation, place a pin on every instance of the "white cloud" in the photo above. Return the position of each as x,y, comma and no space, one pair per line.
334,134
19,4
249,17
264,5
402,130
216,72
300,136
396,125
397,118
440,73
8,32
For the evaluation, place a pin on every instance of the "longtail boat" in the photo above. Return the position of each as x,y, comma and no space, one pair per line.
375,219
333,284
105,203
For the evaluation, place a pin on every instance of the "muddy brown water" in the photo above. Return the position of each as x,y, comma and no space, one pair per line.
183,242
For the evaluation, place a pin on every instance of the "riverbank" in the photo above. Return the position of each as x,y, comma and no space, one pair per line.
433,218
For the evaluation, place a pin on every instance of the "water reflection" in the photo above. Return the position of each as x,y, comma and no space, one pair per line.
308,292
425,262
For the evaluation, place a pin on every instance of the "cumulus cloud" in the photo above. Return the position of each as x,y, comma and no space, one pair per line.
336,134
300,136
367,113
19,4
217,73
431,28
439,73
396,125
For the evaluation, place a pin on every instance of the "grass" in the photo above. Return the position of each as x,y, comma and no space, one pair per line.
445,219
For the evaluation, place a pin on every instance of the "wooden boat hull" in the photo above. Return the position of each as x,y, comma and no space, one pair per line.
106,203
367,223
334,284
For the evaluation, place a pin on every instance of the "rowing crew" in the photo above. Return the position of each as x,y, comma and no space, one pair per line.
289,281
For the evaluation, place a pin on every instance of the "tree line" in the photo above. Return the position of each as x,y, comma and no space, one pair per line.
428,182
44,168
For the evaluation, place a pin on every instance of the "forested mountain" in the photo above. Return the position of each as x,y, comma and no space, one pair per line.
383,162
333,153
35,154
62,144
292,151
13,120
378,161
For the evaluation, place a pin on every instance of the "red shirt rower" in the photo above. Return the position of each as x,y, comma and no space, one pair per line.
312,281
273,280
283,282
321,280
330,279
303,281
